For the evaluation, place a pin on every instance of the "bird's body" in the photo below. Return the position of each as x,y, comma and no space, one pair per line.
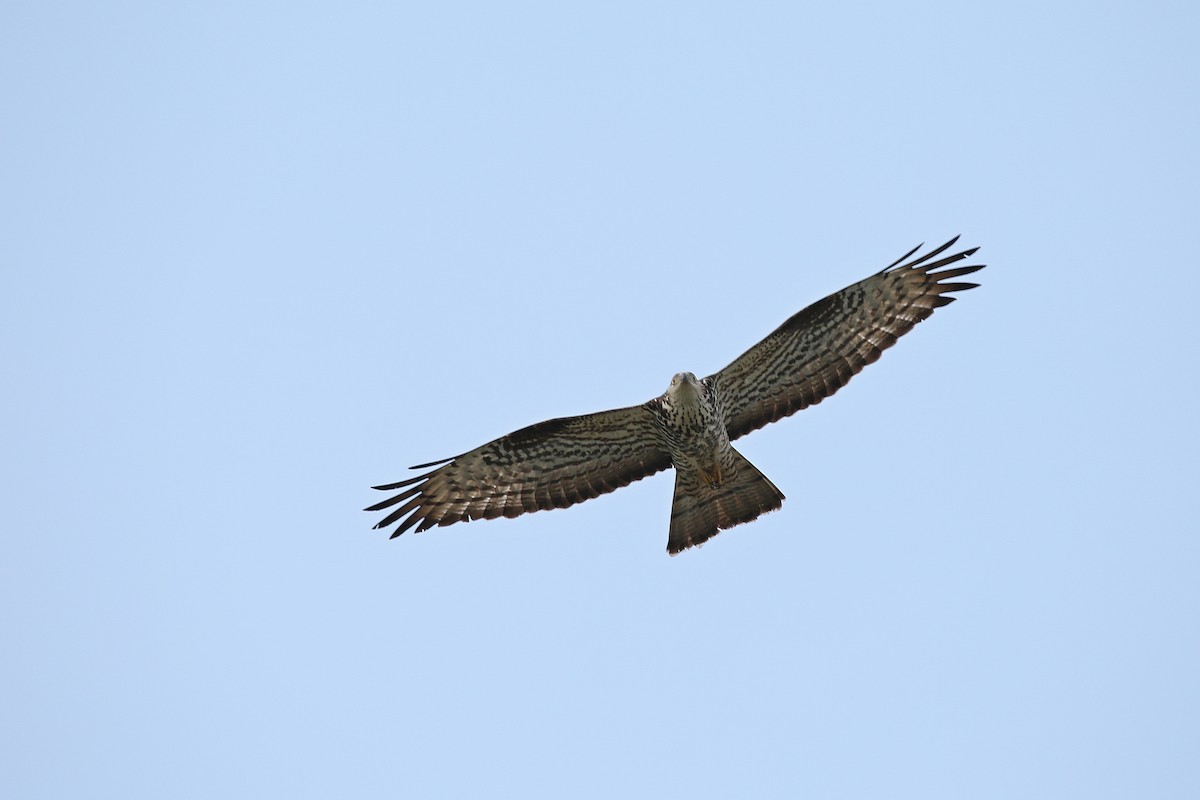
694,428
716,487
560,462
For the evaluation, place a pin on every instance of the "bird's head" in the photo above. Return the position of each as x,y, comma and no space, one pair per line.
684,388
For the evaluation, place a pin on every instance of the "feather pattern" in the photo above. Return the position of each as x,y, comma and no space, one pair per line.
553,464
818,350
560,462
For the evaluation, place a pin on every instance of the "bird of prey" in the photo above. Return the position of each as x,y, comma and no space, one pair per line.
560,462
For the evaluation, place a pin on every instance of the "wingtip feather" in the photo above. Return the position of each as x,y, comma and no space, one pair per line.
391,487
434,463
901,258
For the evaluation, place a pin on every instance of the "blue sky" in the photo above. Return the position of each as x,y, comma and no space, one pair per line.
260,257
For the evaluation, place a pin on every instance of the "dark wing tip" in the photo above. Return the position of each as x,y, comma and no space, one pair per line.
930,255
901,258
957,272
434,463
388,487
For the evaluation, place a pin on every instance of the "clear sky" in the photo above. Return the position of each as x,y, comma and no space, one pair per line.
258,257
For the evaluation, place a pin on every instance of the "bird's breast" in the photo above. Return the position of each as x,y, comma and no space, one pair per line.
695,433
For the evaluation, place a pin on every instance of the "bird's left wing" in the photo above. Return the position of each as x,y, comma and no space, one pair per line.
553,464
821,348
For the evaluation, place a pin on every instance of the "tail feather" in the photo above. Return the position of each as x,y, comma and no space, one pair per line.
700,511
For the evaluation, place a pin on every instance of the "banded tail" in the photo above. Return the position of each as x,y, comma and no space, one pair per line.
700,511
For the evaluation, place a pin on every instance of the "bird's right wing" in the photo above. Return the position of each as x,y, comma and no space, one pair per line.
821,348
553,464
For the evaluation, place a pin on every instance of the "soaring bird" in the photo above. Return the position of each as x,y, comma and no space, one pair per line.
560,462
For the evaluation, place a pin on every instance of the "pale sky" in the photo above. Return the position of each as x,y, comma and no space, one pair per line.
262,256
